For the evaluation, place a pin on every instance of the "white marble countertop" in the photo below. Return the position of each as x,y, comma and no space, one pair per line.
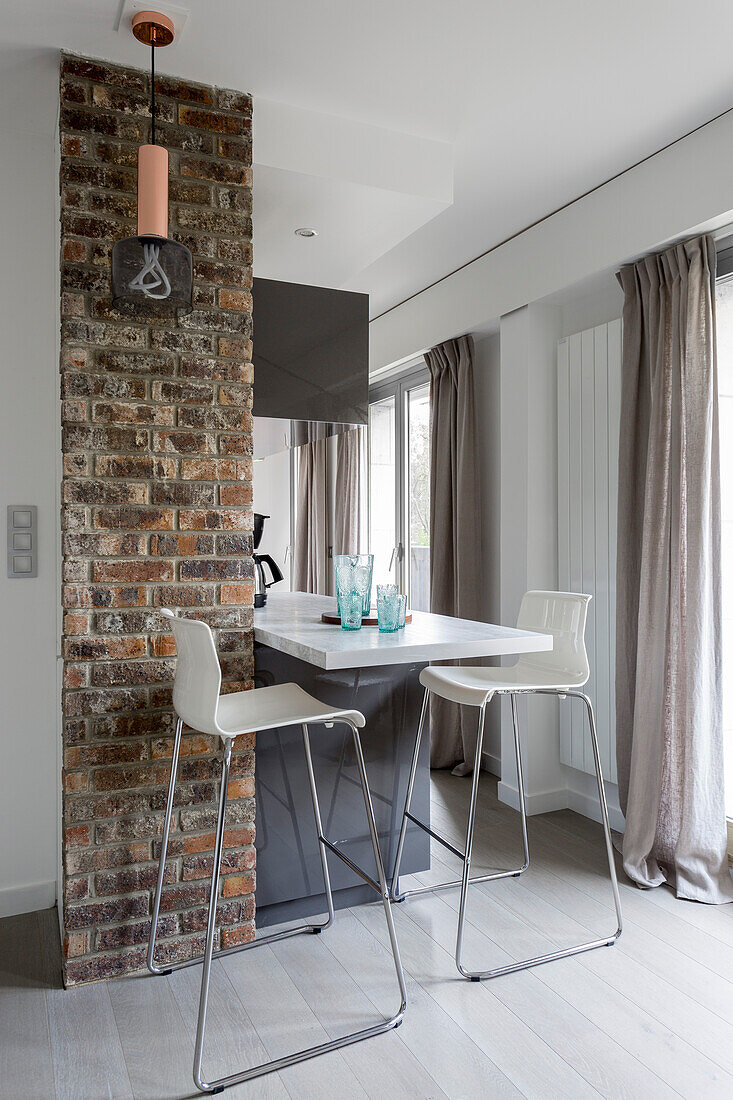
291,622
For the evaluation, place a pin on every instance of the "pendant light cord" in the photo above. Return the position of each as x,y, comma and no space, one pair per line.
152,88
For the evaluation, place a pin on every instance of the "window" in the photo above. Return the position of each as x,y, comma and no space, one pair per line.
399,484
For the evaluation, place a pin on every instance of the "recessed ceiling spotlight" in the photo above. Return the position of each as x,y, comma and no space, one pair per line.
306,231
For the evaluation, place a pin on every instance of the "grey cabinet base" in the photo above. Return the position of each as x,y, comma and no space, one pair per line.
289,879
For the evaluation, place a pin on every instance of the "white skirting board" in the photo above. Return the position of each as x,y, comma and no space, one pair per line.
491,763
540,802
566,798
587,805
15,900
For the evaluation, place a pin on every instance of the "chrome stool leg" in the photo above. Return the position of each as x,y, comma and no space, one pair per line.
604,814
319,831
395,893
152,966
210,954
211,927
384,889
470,829
472,825
590,945
520,785
395,890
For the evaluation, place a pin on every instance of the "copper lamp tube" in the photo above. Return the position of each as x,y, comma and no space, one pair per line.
152,191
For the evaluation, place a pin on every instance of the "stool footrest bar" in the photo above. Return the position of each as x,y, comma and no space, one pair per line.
260,941
551,956
435,836
350,863
458,882
303,1055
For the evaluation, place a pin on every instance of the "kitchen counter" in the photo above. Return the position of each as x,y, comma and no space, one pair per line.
377,674
291,623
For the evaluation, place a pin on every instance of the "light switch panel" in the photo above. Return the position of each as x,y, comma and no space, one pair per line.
22,540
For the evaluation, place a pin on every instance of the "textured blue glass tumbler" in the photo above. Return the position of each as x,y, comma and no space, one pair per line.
353,573
391,608
351,611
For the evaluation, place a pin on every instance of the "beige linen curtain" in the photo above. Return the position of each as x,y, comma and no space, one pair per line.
455,532
310,564
349,505
312,568
668,657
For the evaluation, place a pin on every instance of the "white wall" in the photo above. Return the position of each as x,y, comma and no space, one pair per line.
29,448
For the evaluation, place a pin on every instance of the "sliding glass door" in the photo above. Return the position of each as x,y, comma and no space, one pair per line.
399,484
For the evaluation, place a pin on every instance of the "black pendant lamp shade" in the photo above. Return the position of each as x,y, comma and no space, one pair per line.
151,274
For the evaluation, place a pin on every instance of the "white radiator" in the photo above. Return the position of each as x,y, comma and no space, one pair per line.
588,402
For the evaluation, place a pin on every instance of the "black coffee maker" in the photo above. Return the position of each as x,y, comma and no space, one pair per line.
260,561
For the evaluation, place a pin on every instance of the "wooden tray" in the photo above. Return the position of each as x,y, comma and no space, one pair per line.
334,619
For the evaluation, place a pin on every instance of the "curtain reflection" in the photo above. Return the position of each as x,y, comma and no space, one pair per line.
331,503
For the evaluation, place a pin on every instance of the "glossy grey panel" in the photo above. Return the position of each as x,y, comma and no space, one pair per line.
311,352
289,882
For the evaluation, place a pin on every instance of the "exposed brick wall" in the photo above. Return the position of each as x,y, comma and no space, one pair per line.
157,510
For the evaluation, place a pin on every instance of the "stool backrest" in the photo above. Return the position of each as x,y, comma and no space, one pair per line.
562,614
197,685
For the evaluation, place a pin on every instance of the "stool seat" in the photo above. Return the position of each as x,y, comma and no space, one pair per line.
473,685
272,707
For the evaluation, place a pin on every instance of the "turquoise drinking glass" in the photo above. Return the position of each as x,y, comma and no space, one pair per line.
353,573
388,608
351,611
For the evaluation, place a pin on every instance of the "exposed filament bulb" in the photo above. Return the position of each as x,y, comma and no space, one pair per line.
151,275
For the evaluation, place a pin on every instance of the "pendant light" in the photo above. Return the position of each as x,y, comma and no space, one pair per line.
150,272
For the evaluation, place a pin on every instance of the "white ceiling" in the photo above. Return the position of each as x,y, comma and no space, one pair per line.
539,100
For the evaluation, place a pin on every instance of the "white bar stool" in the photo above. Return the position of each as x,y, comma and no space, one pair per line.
197,702
560,671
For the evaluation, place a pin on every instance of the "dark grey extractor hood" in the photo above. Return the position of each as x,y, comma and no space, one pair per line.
311,353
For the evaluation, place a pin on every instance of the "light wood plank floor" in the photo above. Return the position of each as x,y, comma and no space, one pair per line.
650,1017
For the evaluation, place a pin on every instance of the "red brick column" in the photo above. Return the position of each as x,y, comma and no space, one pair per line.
157,511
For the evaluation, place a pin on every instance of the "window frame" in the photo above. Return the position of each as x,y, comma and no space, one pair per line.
398,386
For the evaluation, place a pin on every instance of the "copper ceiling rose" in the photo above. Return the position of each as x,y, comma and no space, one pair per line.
152,28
